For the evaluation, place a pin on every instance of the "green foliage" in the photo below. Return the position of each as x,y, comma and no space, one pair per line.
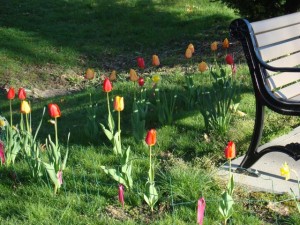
221,101
257,10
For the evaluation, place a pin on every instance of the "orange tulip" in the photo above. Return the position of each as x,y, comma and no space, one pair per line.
107,86
191,46
188,53
119,103
202,66
214,46
11,93
25,107
21,94
225,43
155,60
133,75
54,110
230,151
151,137
113,75
89,74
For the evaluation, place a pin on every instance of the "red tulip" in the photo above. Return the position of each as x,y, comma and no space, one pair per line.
121,194
11,93
54,110
141,62
230,151
229,59
107,86
21,94
151,137
141,81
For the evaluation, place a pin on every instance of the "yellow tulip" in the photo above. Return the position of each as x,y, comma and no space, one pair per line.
225,43
25,107
119,103
156,78
285,171
188,53
133,75
214,46
202,66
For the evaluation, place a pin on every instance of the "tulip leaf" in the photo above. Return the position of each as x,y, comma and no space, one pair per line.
52,174
108,133
226,204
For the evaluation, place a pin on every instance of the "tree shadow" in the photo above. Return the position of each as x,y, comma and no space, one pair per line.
106,34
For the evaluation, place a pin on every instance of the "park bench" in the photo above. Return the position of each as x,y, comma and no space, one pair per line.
272,50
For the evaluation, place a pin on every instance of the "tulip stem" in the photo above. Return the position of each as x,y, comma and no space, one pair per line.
27,123
150,177
11,120
108,108
119,126
56,136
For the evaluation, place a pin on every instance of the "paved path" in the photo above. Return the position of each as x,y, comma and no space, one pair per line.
268,169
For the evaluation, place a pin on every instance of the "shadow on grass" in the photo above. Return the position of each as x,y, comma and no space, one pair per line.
98,33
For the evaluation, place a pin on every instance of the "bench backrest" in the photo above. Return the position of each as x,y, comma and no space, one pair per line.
278,42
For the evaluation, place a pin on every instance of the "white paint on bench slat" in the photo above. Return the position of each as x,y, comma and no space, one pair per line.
279,35
288,92
289,61
275,23
276,51
282,79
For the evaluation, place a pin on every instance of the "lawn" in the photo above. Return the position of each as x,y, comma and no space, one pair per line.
50,44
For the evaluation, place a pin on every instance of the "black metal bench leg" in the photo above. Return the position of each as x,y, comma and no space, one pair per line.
252,155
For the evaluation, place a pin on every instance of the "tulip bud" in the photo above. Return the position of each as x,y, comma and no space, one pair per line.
151,137
54,110
188,53
25,107
225,43
214,46
202,66
230,151
141,62
155,60
89,74
141,81
21,94
2,153
121,194
229,59
11,93
133,75
191,47
107,86
119,103
113,75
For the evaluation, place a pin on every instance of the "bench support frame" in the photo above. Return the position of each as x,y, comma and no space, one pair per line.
241,30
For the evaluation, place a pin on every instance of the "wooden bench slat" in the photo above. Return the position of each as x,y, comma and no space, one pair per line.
282,79
288,61
276,51
274,23
279,35
288,92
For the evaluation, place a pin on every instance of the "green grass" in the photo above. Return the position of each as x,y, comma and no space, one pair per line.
42,41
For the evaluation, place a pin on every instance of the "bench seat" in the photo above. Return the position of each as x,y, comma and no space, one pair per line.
272,50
